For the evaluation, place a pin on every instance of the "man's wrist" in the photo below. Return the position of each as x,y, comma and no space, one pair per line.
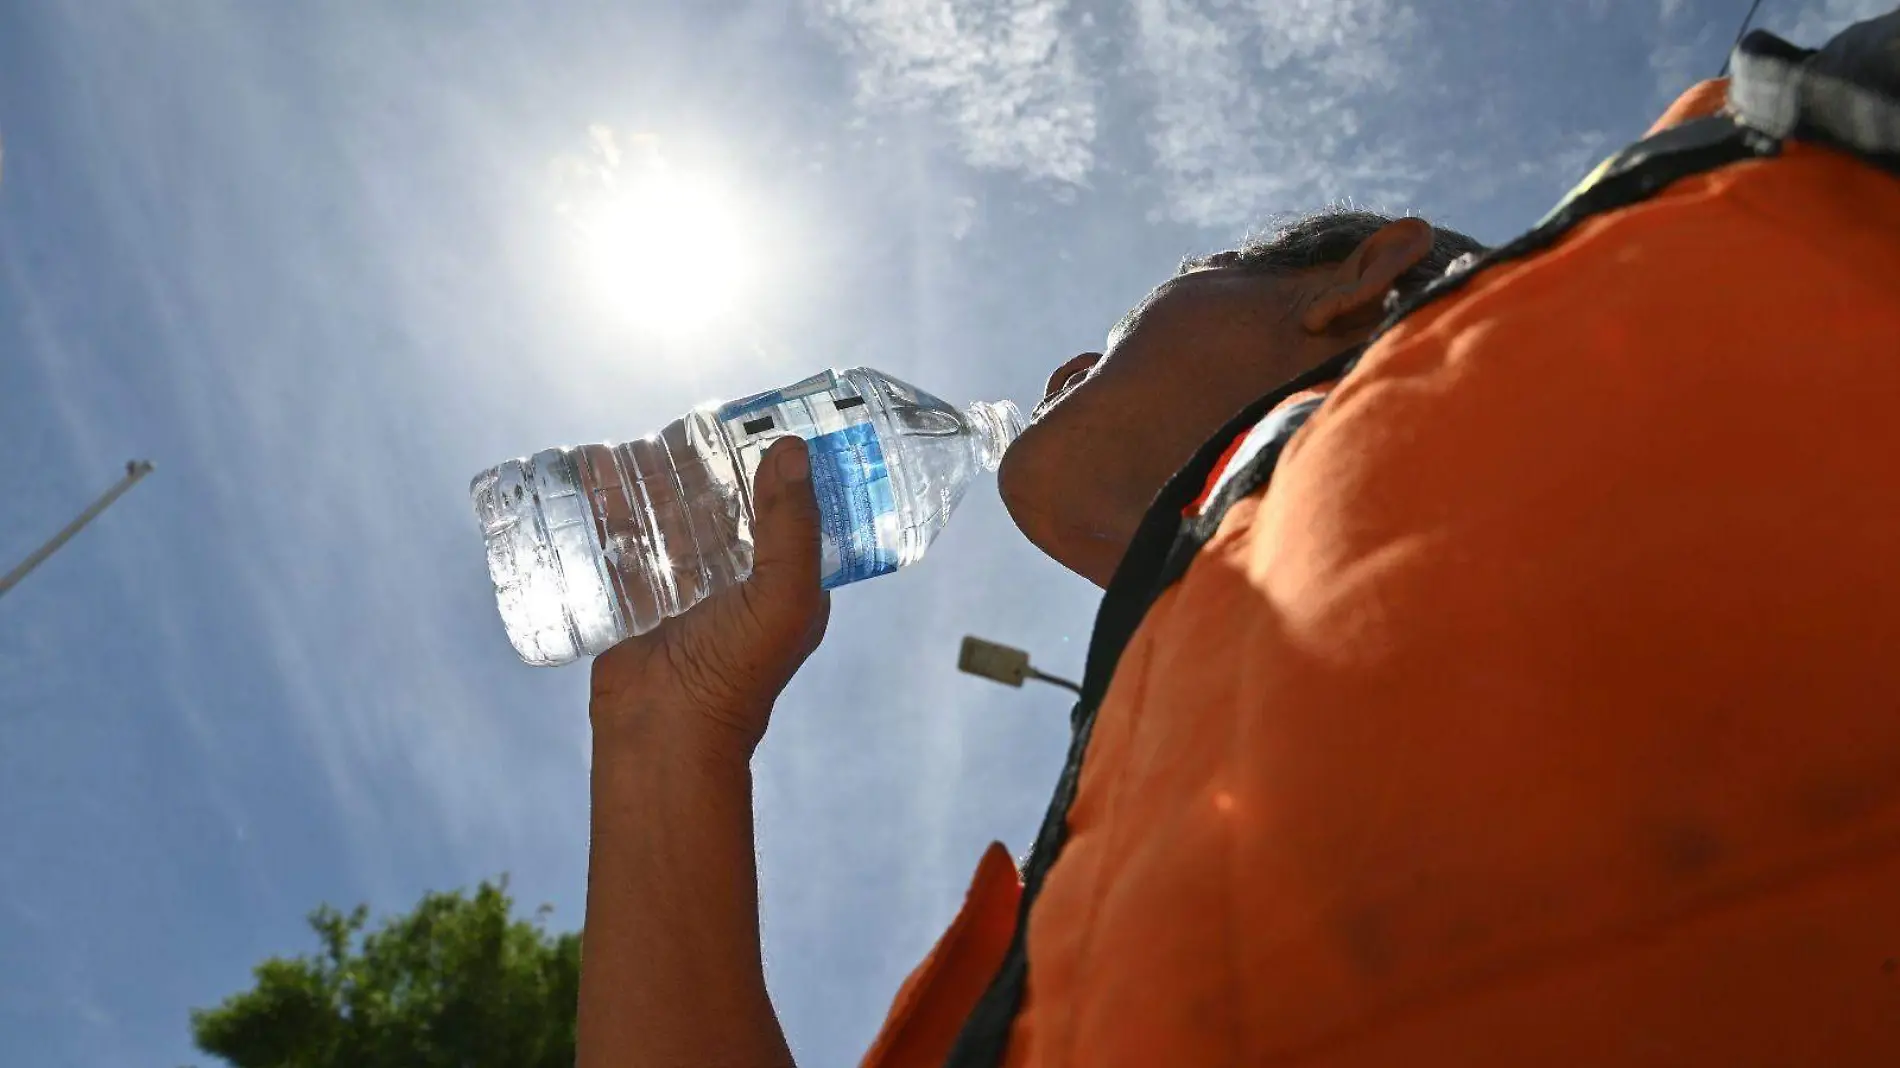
679,735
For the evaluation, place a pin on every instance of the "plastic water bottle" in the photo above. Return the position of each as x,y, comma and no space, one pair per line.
591,544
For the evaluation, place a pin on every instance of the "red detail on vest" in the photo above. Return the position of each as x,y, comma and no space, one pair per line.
1214,476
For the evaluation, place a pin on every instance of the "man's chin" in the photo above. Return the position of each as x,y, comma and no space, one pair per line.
1061,510
1089,553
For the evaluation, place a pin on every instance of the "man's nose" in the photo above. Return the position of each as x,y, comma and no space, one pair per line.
1078,364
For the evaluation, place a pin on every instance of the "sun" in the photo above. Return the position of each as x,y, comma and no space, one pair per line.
666,251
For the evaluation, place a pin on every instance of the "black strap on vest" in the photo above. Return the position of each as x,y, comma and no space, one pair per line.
1846,95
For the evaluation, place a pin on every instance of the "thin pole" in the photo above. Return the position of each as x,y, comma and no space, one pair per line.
134,470
1739,34
1055,680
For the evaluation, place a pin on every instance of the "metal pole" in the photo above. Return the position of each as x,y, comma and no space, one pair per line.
134,470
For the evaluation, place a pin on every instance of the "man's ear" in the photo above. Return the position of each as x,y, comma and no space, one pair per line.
1353,298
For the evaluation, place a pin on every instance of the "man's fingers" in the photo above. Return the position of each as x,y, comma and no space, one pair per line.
786,537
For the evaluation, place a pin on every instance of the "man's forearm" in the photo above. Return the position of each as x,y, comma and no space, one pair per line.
671,972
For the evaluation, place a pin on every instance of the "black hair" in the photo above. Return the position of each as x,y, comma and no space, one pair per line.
1330,236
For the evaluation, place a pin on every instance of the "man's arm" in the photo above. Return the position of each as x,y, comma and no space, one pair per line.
671,973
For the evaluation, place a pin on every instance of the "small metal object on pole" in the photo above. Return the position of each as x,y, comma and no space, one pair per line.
134,470
1000,663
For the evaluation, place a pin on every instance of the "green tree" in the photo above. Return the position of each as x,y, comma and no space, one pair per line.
456,983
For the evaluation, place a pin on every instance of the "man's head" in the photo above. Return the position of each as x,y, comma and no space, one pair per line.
1114,425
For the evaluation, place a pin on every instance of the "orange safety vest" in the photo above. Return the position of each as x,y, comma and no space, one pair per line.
1546,707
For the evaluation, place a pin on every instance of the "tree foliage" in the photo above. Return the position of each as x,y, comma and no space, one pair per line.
455,983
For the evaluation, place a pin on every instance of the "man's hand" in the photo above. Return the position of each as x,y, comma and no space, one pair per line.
714,672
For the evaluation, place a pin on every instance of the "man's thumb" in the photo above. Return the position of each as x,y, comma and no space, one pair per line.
786,537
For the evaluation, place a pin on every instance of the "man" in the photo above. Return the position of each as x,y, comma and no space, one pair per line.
1517,689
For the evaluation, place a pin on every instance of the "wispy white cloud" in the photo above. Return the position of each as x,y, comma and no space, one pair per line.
1245,107
1262,104
1680,61
1569,161
1003,74
1816,21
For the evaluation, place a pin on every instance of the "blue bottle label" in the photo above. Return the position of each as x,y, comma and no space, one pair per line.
856,506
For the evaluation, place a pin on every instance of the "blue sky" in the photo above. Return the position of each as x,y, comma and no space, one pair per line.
315,261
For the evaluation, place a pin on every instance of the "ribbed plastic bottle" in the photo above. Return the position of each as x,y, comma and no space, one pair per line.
591,544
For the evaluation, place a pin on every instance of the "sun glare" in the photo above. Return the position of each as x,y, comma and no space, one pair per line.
667,251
